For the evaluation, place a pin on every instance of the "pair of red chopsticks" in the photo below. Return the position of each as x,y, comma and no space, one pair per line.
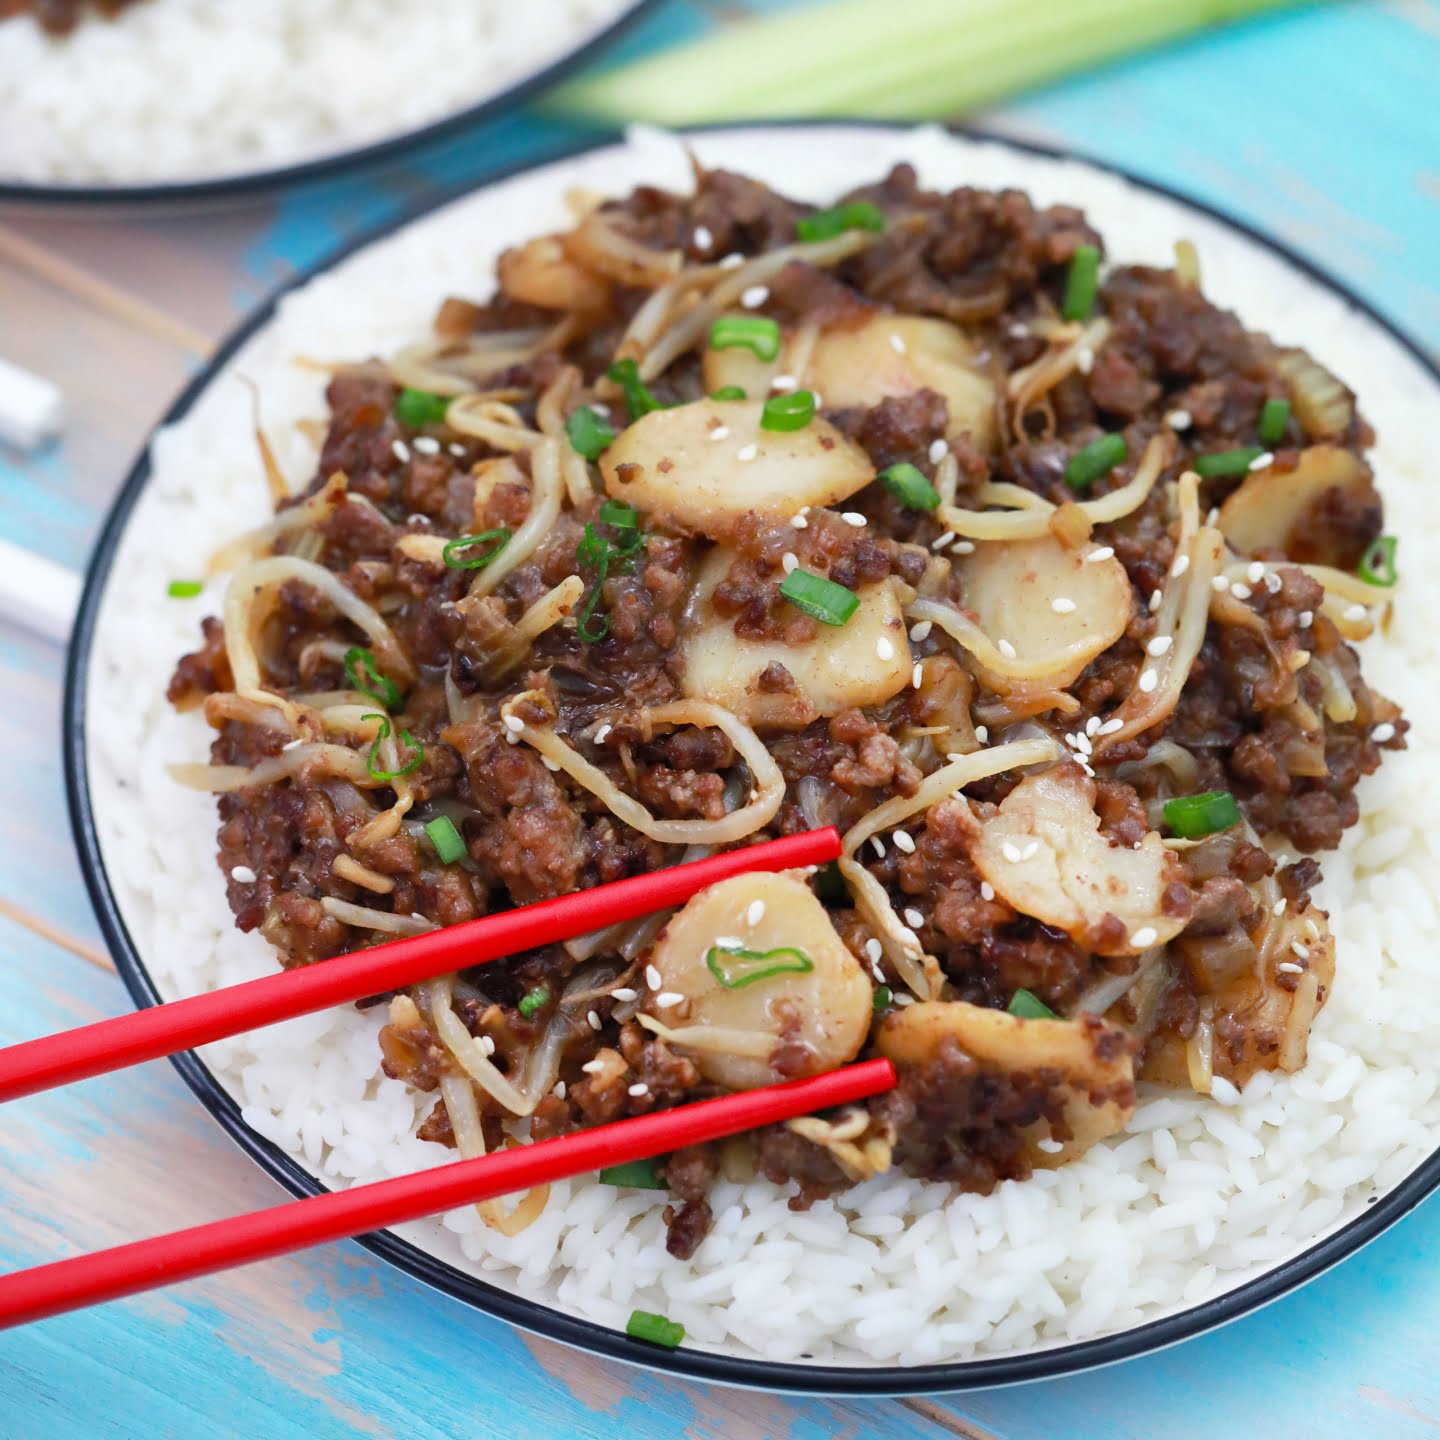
183,1024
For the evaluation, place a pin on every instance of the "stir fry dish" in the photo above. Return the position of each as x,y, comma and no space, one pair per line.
728,517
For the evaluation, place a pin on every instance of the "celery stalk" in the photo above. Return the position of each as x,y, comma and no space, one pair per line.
920,59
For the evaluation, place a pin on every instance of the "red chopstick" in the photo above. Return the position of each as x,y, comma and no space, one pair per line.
183,1024
146,1264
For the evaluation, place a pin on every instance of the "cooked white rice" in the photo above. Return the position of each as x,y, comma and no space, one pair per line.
176,90
1193,1198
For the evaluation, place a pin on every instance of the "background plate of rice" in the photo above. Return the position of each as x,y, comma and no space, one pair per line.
1197,1212
177,98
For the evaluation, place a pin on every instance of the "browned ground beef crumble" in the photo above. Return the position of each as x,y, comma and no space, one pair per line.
996,265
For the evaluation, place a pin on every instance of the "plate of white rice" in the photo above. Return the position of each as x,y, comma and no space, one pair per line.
1198,1211
178,98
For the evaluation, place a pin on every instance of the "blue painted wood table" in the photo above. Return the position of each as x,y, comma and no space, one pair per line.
1320,125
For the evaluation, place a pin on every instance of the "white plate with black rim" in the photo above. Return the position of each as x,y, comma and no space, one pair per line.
1324,1199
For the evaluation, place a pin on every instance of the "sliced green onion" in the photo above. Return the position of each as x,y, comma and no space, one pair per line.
728,392
593,552
1025,1006
184,589
589,434
372,760
757,333
638,399
417,408
909,486
1097,458
734,966
532,1000
826,224
1274,417
642,1325
882,998
1227,462
620,515
1377,565
364,675
635,1174
1192,816
456,554
446,839
793,411
819,598
1082,283
830,884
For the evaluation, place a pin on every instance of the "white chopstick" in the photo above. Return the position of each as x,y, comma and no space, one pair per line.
37,593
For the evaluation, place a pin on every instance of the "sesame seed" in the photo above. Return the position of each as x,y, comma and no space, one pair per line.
1181,565
1356,612
1148,681
1082,743
855,518
1084,359
1111,726
1241,591
1179,420
784,382
702,239
789,562
903,1000
729,942
457,450
1092,725
939,449
1011,852
1383,732
515,723
755,913
1031,850
1159,645
987,890
243,875
873,951
292,744
913,918
897,344
732,261
884,649
720,432
487,1044
1312,929
1007,649
920,630
1262,461
1255,572
427,445
601,733
1273,583
624,992
1102,552
755,297
941,541
982,733
652,977
1302,952
558,1090
593,1067
965,547
903,842
638,1088
1289,967
917,675
593,1019
1219,584
666,999
549,764
1305,619
878,973
1279,907
1156,600
1062,605
1048,1146
747,452
1019,331
1144,937
400,450
511,738
878,845
799,521
1213,518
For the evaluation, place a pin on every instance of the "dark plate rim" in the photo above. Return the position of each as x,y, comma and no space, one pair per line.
532,1315
250,183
